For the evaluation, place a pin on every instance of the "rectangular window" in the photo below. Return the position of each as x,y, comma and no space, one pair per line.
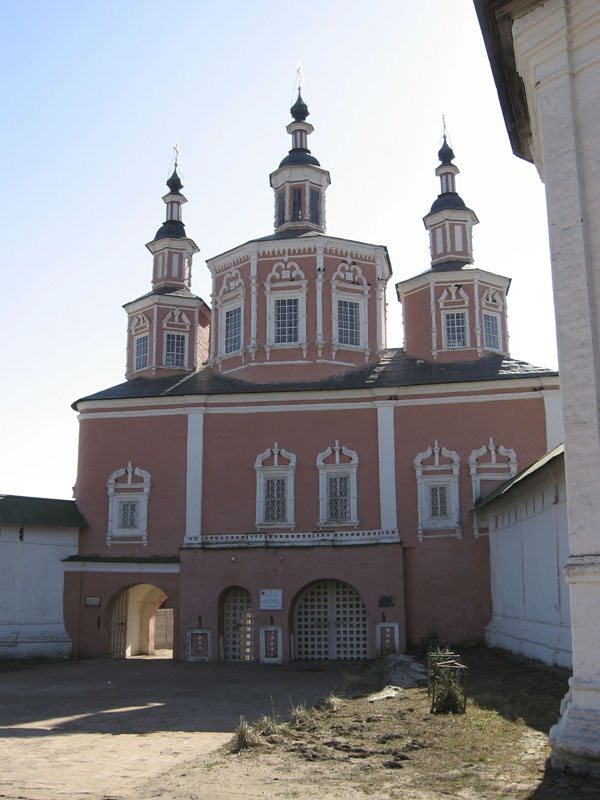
281,208
141,352
286,321
275,500
297,203
491,332
128,514
455,325
348,322
314,206
175,350
438,502
233,330
338,498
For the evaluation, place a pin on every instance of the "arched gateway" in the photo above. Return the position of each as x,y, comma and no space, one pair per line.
330,623
133,622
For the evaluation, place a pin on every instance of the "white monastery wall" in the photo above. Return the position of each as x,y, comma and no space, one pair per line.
528,549
31,590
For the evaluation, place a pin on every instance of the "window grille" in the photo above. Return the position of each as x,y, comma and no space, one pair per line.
141,352
296,203
175,352
314,206
286,320
338,498
348,322
439,501
128,515
456,329
491,334
275,500
233,330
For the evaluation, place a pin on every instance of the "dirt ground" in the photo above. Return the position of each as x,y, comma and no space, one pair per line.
159,730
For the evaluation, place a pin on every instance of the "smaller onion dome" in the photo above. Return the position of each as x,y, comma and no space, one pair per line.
299,110
445,153
174,183
171,229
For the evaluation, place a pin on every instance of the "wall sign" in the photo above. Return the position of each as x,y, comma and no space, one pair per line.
386,601
92,601
271,599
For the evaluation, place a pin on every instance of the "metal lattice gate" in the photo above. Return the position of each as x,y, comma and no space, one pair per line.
118,644
238,626
330,623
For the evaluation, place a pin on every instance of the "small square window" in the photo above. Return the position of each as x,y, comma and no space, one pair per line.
348,322
141,352
275,500
455,328
491,332
438,500
175,350
128,515
338,498
286,320
233,330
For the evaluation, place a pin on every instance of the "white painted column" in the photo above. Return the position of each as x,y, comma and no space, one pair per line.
253,300
557,54
193,483
386,445
319,298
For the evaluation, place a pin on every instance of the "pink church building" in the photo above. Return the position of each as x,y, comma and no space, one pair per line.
276,475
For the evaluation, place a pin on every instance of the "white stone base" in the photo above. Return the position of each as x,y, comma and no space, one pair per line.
545,642
574,740
34,641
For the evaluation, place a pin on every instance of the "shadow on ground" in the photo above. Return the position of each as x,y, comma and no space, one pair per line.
131,696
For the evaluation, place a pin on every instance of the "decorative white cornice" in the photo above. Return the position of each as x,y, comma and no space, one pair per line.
297,539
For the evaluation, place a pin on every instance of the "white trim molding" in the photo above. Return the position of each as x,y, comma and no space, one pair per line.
128,506
438,496
349,285
331,489
276,479
501,465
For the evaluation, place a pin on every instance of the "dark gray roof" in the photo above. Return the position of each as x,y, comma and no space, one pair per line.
394,369
501,490
174,291
451,200
299,157
19,510
171,229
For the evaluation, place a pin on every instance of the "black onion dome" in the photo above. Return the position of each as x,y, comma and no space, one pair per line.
299,158
448,200
171,229
299,110
445,153
174,183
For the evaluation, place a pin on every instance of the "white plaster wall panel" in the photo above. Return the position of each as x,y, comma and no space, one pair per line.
510,565
555,433
540,567
562,523
31,587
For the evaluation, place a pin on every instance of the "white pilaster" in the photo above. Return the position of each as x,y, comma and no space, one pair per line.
387,466
193,483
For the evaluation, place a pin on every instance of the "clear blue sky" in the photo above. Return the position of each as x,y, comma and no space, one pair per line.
95,94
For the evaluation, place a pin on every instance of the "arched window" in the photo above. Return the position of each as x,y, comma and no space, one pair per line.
275,469
338,500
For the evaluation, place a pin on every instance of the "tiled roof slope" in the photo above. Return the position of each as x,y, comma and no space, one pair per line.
21,510
395,368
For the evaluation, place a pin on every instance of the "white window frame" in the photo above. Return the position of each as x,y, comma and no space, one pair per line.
230,308
232,295
184,337
438,473
501,464
445,316
336,469
348,283
498,319
286,281
279,469
128,491
136,343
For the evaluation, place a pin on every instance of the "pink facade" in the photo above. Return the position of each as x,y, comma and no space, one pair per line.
288,485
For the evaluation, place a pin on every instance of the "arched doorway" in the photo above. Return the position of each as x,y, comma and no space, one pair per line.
330,623
134,623
238,625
